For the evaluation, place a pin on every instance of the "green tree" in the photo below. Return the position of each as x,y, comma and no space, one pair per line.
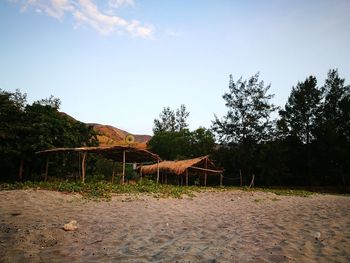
245,127
302,110
166,121
181,118
26,129
170,121
12,131
202,142
332,134
170,145
249,110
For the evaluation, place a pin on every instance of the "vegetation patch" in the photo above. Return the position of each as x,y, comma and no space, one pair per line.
103,190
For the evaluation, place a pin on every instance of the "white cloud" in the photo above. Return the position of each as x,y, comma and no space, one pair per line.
120,3
86,12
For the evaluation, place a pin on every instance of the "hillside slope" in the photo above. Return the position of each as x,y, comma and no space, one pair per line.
109,135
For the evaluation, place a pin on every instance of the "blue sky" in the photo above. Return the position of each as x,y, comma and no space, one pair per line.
119,62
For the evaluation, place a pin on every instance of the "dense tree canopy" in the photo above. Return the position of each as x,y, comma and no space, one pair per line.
28,128
173,141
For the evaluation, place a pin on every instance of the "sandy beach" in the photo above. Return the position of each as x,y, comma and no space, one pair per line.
233,226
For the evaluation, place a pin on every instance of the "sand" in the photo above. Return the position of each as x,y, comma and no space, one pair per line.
231,226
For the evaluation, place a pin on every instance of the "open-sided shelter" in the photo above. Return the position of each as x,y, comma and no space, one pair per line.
122,154
200,166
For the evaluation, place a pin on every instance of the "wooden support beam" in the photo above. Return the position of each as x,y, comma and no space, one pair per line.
46,168
113,171
83,166
141,172
20,172
157,171
123,177
240,177
186,177
252,182
208,170
205,171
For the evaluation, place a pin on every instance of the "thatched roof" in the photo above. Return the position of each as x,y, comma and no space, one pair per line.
112,152
193,166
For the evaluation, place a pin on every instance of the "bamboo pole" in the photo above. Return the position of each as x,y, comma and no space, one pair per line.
83,167
123,178
240,177
252,182
20,173
113,170
157,171
46,168
205,172
203,169
79,157
141,172
186,177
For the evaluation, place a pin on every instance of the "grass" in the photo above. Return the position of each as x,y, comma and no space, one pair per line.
104,190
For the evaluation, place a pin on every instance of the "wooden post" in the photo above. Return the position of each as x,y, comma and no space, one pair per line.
20,173
113,170
252,182
205,172
46,168
79,156
83,167
240,176
157,171
141,172
123,178
166,178
186,177
221,177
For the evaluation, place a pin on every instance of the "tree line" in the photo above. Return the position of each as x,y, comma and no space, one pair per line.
307,144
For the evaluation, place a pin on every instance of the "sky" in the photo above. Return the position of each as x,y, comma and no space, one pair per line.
119,62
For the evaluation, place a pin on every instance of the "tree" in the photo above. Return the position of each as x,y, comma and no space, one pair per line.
166,122
332,133
302,110
170,121
183,144
26,129
202,142
12,131
245,127
181,118
334,109
248,116
170,145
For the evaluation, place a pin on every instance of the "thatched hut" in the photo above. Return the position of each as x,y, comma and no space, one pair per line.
200,166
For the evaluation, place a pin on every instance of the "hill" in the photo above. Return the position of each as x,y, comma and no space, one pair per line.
109,135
